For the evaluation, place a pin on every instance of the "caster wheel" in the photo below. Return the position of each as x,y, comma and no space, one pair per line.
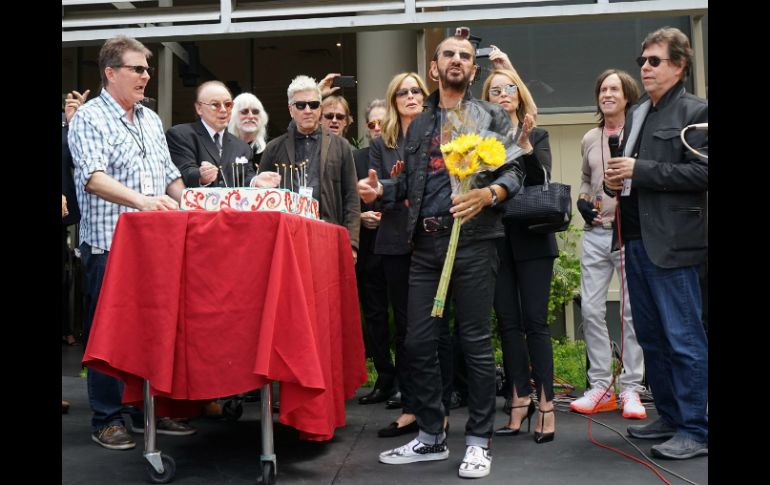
268,474
232,410
169,470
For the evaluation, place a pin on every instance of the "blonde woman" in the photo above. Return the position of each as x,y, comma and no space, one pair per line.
524,278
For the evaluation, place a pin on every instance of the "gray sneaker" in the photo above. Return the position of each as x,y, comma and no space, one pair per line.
680,448
114,437
656,429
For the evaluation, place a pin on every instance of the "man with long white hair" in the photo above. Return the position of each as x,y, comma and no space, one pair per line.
249,123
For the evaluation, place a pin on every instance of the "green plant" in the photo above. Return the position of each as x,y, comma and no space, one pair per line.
565,282
569,361
356,142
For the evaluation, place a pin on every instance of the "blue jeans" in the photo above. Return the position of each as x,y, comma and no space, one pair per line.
104,392
666,304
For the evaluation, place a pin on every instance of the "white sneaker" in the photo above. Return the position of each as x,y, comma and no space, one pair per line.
415,451
477,462
587,404
632,405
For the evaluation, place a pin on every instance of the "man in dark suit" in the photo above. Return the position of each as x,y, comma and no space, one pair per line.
205,152
308,155
663,214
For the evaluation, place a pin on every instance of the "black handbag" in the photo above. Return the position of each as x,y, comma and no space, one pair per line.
543,208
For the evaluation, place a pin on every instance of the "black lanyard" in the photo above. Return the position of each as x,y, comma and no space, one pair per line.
140,140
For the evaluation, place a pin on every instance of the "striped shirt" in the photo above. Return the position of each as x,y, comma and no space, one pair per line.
102,139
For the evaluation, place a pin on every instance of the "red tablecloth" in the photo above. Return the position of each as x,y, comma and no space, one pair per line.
210,304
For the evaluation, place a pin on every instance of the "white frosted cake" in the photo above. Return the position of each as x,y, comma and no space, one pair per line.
249,199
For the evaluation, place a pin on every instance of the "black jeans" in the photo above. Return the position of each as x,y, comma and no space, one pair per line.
472,287
521,306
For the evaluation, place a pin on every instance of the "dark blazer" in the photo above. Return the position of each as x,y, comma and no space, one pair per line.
392,238
366,237
338,201
671,182
67,181
524,243
190,144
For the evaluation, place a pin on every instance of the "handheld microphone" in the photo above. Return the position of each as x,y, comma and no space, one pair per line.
614,143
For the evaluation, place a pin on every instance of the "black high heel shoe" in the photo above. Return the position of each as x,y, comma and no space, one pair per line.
506,431
544,437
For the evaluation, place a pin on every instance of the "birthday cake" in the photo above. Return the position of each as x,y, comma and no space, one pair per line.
249,199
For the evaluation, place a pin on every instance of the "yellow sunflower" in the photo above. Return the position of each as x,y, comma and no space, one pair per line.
491,151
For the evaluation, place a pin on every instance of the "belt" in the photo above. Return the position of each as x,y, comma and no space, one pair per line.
435,223
605,225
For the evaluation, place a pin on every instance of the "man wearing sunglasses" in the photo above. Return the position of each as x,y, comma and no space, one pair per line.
663,213
309,155
205,151
122,164
432,209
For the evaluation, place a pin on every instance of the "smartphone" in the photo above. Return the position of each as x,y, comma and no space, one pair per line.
483,52
344,82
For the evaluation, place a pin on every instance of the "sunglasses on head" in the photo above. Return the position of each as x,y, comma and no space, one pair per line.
300,105
405,91
331,116
216,105
654,60
508,89
245,111
140,69
374,123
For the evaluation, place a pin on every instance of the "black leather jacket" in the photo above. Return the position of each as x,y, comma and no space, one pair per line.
411,183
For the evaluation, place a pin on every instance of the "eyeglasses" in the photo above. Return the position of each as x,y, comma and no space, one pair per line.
465,56
300,105
373,124
245,111
405,91
216,105
654,60
331,116
140,69
508,89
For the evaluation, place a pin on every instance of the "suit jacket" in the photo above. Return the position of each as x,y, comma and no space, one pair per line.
524,243
338,200
671,182
190,144
392,238
67,181
366,237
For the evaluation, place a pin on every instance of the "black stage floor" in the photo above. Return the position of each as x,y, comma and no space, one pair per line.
228,452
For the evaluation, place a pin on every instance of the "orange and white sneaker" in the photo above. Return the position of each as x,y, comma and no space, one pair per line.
632,405
587,404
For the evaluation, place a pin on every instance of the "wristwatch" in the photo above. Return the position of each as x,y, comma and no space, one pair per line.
494,196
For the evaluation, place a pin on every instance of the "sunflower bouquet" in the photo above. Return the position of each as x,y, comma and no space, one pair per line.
464,157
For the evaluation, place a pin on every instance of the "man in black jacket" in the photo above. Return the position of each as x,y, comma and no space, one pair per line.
663,207
432,209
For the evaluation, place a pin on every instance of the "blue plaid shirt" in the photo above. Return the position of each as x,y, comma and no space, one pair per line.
102,139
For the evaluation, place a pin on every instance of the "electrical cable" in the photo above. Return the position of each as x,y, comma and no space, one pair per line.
646,457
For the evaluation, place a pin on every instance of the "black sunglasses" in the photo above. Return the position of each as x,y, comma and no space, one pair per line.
245,111
405,91
300,105
331,116
140,69
654,60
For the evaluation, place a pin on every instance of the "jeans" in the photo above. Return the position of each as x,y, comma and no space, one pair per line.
472,287
596,267
104,392
666,303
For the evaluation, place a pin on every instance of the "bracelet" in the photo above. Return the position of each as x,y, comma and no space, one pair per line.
494,196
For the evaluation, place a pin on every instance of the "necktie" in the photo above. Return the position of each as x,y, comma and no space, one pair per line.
217,143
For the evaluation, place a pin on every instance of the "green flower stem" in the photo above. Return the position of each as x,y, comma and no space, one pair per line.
439,302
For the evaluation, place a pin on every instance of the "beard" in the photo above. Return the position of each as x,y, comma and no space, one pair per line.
248,127
457,84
